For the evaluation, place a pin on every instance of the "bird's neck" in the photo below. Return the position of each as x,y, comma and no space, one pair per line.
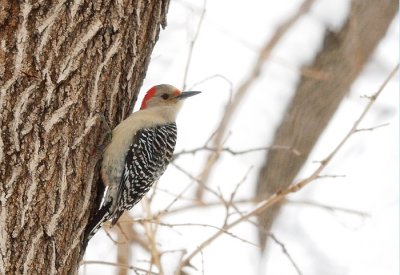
160,115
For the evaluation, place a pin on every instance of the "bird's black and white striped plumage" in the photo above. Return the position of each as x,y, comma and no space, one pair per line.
146,160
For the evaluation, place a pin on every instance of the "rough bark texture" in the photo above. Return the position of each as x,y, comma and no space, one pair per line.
342,58
66,67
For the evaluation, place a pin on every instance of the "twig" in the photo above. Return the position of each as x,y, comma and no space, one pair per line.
178,271
280,195
372,128
178,196
233,194
192,43
202,262
135,269
219,196
330,207
216,76
220,229
151,236
252,201
286,252
206,204
105,225
330,176
230,203
123,249
234,152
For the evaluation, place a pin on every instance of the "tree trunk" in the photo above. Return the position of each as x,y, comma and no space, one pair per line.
342,58
67,68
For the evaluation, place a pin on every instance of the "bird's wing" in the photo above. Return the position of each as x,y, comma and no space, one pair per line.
146,160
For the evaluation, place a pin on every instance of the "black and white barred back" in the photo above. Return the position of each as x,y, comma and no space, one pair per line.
147,158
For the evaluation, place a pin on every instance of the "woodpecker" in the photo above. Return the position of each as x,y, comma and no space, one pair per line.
141,147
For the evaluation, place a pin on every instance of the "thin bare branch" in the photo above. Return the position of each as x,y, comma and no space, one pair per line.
330,176
286,252
234,152
210,204
130,267
192,43
219,196
198,204
329,207
220,229
176,198
372,128
230,203
150,232
227,80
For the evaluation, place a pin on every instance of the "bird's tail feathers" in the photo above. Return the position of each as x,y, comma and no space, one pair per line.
100,217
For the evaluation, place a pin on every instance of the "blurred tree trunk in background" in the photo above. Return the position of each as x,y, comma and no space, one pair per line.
62,64
342,58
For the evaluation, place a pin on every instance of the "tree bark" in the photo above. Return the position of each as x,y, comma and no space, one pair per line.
67,69
341,60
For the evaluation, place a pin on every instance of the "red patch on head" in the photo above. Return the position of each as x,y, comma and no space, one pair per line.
177,92
150,93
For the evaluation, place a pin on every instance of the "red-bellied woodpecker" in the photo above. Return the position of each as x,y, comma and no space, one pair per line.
141,147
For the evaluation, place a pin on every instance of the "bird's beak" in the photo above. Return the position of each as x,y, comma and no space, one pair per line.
187,94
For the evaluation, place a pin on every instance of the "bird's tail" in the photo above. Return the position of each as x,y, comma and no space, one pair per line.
95,223
100,215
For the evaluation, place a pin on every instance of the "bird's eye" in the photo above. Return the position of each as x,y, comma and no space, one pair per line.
165,96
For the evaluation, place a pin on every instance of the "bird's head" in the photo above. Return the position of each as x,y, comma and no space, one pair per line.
165,95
